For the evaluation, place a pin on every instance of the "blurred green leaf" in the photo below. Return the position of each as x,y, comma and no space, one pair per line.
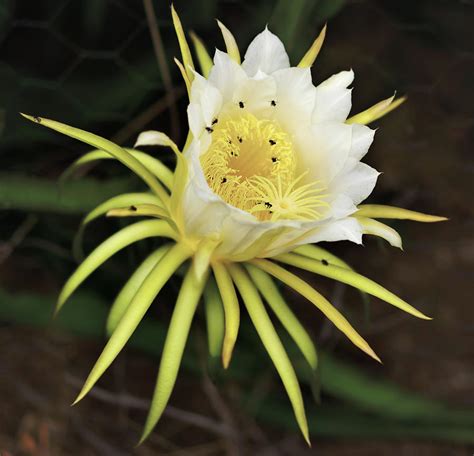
289,19
334,421
327,9
355,386
76,197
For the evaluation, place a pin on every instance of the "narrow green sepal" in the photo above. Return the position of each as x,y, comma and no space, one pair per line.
178,331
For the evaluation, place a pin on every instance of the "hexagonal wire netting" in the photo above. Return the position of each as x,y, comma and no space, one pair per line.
88,63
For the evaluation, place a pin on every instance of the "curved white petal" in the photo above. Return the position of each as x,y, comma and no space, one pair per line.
341,206
204,211
356,181
255,95
244,240
195,119
324,149
211,103
333,98
295,97
226,75
205,105
362,138
346,229
265,53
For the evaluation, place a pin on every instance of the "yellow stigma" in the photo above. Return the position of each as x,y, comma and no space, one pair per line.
251,164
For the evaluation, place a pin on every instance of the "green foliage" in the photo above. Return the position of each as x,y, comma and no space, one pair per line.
290,18
34,194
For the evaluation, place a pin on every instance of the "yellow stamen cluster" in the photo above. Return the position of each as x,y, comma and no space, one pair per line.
251,165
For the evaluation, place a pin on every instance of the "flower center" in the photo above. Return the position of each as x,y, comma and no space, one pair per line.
251,164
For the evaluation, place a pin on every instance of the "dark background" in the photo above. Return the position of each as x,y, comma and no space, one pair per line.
91,64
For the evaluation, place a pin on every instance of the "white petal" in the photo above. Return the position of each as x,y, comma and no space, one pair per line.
333,99
357,181
362,138
346,229
295,97
256,95
197,87
265,53
226,75
211,103
245,239
341,206
206,103
195,119
324,149
204,212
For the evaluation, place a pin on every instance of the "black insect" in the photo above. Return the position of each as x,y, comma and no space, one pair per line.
272,142
273,103
241,104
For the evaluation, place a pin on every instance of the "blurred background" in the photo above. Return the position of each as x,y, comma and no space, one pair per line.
92,64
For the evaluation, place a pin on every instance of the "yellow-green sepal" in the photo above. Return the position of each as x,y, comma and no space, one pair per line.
183,313
320,254
118,241
392,212
155,166
313,296
136,310
310,57
376,111
215,320
231,310
158,138
376,228
126,294
204,59
288,319
230,43
350,278
183,45
271,342
108,146
126,199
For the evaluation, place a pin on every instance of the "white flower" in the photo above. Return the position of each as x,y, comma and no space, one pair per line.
271,155
271,163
